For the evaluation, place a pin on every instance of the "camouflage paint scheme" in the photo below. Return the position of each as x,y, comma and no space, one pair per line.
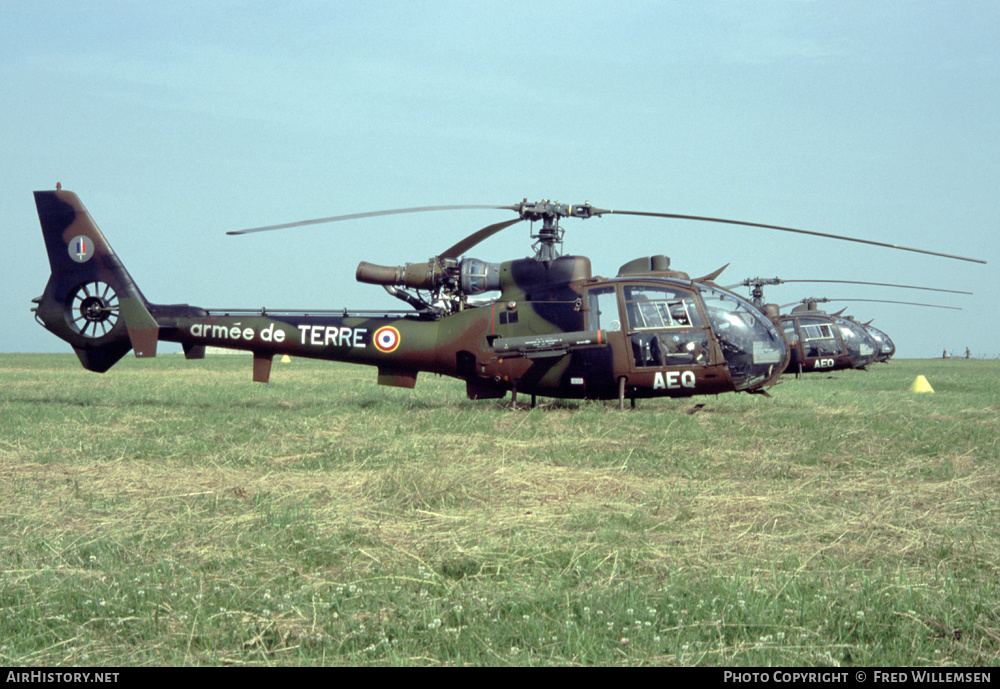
540,337
822,342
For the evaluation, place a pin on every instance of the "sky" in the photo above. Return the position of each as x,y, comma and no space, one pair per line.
177,122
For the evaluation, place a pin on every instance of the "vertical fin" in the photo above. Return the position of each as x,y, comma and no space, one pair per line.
90,301
142,329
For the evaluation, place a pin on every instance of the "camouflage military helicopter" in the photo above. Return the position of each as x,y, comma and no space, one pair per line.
829,342
885,348
555,330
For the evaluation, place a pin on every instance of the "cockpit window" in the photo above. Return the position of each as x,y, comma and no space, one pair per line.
819,337
791,334
603,305
818,332
655,307
665,327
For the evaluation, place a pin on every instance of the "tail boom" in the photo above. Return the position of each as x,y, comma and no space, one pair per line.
93,303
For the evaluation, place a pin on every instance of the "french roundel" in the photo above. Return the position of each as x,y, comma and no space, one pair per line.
386,339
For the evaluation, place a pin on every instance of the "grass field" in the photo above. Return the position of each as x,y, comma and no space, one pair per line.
172,512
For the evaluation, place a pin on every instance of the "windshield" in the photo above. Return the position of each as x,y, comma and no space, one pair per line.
859,343
886,348
754,349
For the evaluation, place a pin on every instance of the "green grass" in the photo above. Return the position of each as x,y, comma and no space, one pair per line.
173,512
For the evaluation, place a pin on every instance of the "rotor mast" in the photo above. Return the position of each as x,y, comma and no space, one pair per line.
550,236
757,289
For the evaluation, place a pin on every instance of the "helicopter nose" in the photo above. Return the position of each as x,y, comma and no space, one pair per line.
753,347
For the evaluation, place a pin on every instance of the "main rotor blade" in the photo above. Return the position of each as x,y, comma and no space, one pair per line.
751,283
370,214
598,211
883,301
885,284
477,237
908,303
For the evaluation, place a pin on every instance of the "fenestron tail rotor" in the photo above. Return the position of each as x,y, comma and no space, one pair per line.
94,309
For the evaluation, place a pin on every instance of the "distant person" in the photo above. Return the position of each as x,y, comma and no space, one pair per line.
944,354
967,353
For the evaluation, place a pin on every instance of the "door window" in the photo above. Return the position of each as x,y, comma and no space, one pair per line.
665,327
819,337
603,304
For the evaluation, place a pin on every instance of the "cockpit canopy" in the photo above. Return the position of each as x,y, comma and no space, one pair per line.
668,322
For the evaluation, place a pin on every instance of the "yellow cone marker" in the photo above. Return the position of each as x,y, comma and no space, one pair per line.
286,360
921,385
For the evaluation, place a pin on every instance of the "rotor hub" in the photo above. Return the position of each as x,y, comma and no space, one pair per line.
95,309
550,236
